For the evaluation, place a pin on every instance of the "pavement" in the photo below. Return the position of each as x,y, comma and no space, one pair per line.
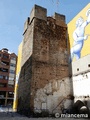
16,116
9,114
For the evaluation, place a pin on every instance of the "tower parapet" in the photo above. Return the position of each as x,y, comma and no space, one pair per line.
38,12
41,13
60,19
26,24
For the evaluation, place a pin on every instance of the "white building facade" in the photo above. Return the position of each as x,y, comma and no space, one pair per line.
81,79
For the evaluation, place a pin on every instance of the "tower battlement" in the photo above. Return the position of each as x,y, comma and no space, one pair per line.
38,12
41,13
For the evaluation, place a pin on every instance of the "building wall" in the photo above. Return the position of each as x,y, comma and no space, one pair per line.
7,76
18,68
27,47
52,94
81,79
80,68
44,60
72,27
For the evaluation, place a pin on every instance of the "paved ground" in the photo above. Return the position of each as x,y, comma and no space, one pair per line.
16,116
8,114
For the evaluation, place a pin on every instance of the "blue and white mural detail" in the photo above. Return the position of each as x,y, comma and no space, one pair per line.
79,36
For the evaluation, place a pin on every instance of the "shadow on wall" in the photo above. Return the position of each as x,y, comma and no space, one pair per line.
24,88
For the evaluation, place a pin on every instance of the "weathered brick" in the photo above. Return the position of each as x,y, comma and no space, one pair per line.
44,62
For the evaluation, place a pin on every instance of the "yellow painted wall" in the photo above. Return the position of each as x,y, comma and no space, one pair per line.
72,26
19,58
17,76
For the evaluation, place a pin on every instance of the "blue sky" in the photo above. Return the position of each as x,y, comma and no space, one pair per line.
13,14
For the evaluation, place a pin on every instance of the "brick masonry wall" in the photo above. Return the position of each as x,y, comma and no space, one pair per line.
44,59
50,58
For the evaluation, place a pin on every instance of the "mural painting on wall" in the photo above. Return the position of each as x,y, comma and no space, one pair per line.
79,36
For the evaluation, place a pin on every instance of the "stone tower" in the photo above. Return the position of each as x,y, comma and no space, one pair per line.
44,77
